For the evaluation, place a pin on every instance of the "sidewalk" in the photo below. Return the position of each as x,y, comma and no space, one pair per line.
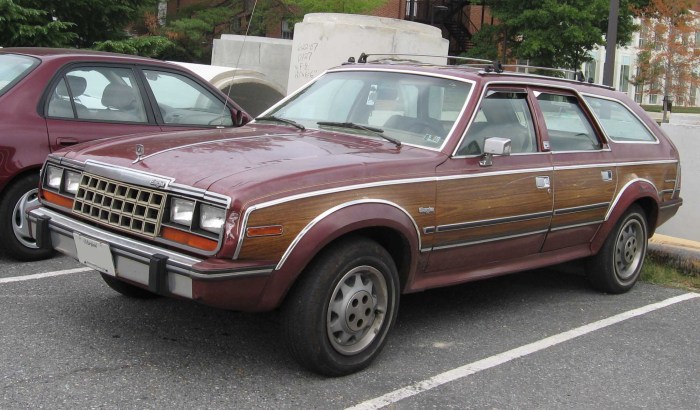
679,253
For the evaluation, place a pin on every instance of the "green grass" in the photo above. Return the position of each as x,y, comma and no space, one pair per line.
680,110
663,273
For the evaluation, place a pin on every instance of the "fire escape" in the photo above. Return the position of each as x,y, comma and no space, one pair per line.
454,17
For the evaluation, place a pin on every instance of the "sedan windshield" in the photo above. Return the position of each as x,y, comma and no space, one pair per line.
13,68
412,109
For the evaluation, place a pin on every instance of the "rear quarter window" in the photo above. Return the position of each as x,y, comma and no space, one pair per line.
618,122
13,68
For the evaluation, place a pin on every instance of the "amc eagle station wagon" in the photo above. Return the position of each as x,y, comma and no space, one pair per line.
374,180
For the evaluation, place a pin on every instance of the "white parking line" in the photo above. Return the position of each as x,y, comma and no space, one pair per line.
43,275
513,354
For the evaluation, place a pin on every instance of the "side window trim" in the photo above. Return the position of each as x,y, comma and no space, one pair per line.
506,88
43,106
626,107
588,117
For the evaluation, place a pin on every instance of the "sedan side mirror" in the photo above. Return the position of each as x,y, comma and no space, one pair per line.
494,146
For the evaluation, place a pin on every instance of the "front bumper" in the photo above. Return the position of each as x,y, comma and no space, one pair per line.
222,283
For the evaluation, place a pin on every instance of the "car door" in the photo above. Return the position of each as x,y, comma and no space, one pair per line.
486,214
87,102
585,175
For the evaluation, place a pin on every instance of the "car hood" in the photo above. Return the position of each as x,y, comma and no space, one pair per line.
260,158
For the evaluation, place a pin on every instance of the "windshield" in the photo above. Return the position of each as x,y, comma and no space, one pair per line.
413,109
13,68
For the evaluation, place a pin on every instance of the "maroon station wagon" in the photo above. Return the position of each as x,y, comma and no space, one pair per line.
377,179
53,98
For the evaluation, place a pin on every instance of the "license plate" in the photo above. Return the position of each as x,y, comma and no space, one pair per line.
94,254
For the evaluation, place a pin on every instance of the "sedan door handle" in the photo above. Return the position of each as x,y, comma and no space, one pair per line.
66,141
542,182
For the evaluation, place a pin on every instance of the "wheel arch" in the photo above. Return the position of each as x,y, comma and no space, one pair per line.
639,192
385,222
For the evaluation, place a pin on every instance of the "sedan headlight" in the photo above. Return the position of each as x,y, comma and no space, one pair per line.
54,176
211,218
71,182
181,211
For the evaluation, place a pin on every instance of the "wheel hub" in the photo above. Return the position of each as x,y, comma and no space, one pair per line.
630,249
20,225
359,312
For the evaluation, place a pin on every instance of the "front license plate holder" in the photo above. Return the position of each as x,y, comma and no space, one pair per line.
94,253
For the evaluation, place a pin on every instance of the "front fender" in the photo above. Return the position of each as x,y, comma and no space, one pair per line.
335,223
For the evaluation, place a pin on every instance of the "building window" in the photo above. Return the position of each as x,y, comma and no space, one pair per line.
411,8
653,99
624,78
590,71
287,32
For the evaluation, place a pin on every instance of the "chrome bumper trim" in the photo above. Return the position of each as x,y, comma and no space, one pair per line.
131,257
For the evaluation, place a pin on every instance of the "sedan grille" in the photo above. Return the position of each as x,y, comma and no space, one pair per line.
124,206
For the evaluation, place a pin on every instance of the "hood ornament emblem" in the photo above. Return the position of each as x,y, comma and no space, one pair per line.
139,153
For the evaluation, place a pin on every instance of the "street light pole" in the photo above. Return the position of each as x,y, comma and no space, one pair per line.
611,44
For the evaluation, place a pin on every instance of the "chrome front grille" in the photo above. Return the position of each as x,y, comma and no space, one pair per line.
124,206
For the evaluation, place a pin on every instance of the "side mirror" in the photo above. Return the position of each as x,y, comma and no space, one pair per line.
238,118
494,146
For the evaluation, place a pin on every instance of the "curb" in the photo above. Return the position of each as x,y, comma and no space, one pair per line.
681,254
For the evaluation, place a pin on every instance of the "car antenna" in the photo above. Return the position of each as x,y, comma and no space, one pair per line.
239,115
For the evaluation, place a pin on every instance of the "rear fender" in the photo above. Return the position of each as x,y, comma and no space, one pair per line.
636,191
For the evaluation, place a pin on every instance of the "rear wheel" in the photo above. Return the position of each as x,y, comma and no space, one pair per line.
14,228
336,318
127,289
616,268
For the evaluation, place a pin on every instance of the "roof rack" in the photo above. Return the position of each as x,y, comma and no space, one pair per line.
482,65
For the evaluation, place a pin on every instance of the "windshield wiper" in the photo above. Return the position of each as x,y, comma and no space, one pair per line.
282,120
376,131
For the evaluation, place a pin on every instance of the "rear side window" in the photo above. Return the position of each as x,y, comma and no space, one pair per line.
13,68
618,121
98,93
567,125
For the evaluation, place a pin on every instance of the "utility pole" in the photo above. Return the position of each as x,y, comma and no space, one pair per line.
611,44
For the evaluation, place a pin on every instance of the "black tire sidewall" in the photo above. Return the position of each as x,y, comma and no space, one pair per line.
307,307
9,242
601,268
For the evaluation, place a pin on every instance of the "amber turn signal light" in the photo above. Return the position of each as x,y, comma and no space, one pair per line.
273,230
188,239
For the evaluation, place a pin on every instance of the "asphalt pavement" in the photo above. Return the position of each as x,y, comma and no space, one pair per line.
540,339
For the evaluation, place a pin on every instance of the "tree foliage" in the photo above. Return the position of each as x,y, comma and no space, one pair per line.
24,26
95,20
668,59
557,33
335,6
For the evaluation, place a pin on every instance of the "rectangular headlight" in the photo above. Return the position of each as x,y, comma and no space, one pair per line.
211,218
54,175
181,211
71,182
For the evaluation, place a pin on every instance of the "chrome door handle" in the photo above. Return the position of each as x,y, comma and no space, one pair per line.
606,175
542,182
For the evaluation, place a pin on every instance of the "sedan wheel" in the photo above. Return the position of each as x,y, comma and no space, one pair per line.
338,314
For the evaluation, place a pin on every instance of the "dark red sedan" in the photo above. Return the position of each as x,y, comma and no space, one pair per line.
53,98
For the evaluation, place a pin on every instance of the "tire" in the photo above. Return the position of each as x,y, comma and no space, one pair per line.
14,229
337,316
127,289
616,267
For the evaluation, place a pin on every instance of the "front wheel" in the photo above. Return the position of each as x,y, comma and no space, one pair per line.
15,237
616,267
336,318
